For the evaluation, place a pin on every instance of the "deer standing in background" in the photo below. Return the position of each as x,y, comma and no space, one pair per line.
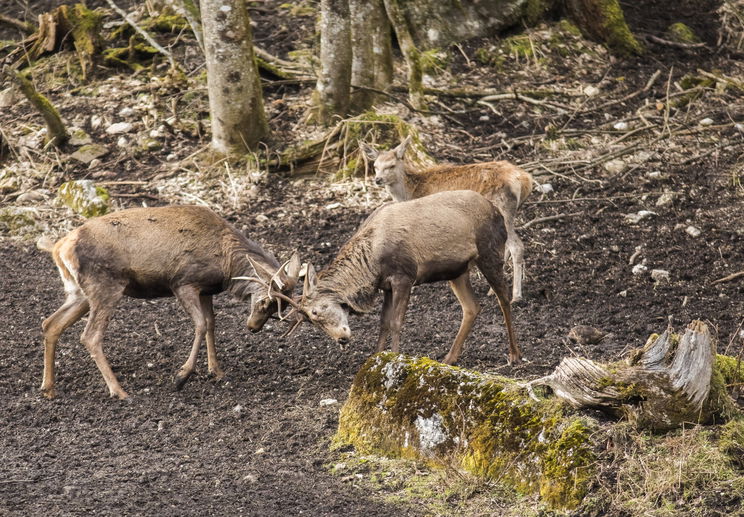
501,182
184,251
400,245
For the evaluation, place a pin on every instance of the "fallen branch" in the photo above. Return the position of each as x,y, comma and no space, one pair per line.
25,27
677,44
57,133
728,278
142,32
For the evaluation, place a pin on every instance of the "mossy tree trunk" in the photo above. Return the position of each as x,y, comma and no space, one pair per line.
372,58
235,97
333,91
604,21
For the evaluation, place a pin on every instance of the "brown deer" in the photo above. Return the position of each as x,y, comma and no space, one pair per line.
437,237
184,251
503,183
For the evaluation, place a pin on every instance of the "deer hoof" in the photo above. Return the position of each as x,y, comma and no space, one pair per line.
48,393
216,375
179,381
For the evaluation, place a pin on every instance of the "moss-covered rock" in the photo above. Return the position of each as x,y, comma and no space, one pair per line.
405,407
681,33
18,221
84,197
731,441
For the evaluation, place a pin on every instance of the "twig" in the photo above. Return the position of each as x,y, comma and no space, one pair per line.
728,278
26,27
521,97
548,218
668,43
142,32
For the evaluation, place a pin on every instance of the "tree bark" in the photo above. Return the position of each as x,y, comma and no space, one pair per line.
333,93
603,21
411,54
372,59
235,97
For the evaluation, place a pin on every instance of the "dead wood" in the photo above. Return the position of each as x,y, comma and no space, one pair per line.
728,278
25,27
665,385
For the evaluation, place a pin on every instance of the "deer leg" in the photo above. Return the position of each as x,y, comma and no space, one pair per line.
401,292
74,308
516,249
213,366
385,319
470,309
494,272
101,309
191,302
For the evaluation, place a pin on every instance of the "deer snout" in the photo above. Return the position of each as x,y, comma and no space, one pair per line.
379,181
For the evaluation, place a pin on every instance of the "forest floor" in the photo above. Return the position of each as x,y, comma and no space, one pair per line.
648,176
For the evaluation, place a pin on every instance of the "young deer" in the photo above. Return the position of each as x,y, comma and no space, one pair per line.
400,245
184,251
503,183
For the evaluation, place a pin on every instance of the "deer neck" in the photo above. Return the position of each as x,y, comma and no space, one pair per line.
352,277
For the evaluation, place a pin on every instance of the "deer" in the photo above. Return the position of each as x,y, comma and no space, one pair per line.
184,251
400,245
503,183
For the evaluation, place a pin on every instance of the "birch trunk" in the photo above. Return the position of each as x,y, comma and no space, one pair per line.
235,98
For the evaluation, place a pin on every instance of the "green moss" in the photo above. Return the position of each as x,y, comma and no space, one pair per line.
535,10
135,56
166,22
434,61
84,197
731,368
681,33
17,220
418,408
605,22
731,441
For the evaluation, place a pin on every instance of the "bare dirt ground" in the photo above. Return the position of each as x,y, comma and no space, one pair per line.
257,442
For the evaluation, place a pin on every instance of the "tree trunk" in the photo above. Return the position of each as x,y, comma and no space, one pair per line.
603,21
411,54
372,59
235,98
334,79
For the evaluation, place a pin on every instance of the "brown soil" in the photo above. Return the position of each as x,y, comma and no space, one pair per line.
257,442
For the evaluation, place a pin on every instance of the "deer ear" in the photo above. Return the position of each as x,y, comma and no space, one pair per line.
290,271
311,281
400,151
369,151
261,271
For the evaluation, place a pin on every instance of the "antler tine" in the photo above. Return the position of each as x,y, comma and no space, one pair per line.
284,297
300,319
251,279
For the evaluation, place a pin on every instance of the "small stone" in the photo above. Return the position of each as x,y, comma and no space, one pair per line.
484,118
654,175
623,293
639,269
122,141
260,450
660,275
706,122
71,491
544,188
126,112
250,478
591,91
328,402
88,153
79,137
639,216
692,231
667,198
119,127
615,166
95,121
262,218
238,409
621,126
333,206
33,196
586,335
8,97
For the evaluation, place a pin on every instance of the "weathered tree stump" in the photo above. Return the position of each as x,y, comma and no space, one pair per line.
668,383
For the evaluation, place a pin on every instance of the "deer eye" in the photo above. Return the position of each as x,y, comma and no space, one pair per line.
314,312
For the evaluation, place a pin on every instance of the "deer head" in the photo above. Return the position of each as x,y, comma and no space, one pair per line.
279,287
389,165
323,310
